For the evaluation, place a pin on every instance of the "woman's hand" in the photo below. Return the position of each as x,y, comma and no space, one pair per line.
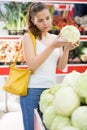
58,42
71,47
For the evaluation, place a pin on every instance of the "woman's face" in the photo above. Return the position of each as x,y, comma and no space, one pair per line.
43,20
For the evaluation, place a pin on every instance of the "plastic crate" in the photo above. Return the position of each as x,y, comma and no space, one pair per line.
38,125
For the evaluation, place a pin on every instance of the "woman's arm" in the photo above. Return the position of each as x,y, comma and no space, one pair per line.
64,53
62,62
34,61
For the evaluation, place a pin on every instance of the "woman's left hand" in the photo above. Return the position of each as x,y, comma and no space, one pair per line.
73,46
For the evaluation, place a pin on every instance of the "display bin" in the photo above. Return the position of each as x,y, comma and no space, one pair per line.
38,125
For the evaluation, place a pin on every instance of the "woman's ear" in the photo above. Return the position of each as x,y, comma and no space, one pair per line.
32,19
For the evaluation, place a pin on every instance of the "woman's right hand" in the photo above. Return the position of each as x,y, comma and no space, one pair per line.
58,42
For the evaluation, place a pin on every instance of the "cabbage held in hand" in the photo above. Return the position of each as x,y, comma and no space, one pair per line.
70,33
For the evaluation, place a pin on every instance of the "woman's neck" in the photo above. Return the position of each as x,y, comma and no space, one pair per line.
45,34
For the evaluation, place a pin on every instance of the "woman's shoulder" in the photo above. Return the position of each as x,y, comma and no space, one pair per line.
26,39
26,35
52,35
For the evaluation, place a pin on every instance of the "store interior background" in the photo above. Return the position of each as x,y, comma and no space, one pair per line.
62,14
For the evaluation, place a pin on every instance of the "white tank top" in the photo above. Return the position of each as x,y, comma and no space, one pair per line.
45,75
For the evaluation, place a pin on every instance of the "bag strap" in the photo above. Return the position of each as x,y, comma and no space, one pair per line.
34,44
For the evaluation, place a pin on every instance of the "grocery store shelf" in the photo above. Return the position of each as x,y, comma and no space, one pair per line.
4,70
77,67
67,1
10,37
16,37
83,38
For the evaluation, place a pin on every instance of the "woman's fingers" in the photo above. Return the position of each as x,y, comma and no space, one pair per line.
63,43
77,43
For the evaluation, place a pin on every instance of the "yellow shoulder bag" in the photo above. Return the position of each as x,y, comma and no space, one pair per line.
17,81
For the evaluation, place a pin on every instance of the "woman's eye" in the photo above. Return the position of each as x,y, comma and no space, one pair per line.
40,20
47,18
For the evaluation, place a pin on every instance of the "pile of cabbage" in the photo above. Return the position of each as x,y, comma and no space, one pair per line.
64,106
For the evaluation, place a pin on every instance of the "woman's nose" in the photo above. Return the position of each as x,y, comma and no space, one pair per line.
45,22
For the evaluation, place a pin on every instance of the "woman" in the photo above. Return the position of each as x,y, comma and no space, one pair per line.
51,51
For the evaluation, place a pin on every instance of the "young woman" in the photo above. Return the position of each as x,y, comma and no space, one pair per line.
51,52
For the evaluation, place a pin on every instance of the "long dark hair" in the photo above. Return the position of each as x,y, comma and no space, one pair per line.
34,8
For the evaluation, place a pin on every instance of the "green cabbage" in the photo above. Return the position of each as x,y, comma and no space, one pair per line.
81,86
78,81
55,88
46,99
70,80
60,122
70,33
66,101
84,50
48,117
79,118
70,128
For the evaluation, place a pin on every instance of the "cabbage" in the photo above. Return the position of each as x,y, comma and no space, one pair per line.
46,99
84,50
48,117
60,122
83,57
70,33
75,80
85,101
54,89
70,80
81,86
66,101
79,118
70,128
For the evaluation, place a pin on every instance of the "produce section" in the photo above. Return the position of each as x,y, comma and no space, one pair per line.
60,22
9,46
8,49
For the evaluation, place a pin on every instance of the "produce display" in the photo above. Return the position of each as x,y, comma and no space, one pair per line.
14,16
64,105
70,33
78,55
8,50
83,56
60,26
60,22
82,21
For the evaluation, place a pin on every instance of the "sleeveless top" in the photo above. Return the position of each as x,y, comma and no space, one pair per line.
45,75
